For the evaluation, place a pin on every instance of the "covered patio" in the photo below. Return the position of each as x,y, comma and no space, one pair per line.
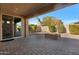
17,40
12,14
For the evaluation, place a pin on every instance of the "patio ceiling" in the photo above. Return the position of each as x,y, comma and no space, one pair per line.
30,9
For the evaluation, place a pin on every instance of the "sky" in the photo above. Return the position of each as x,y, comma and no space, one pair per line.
68,15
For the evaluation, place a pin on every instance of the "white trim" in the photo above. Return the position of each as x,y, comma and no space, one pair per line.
11,38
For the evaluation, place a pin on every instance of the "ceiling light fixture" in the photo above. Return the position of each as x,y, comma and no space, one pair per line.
15,9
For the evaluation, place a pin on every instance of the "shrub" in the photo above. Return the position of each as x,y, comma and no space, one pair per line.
52,28
74,29
61,29
32,27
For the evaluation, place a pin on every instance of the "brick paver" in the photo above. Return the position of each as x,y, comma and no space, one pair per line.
36,45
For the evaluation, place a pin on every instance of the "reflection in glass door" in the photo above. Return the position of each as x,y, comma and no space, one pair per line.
7,26
17,27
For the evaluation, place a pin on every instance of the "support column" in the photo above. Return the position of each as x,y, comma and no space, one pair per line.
0,26
27,28
25,31
23,27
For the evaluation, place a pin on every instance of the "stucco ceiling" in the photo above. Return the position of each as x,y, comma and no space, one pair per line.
30,9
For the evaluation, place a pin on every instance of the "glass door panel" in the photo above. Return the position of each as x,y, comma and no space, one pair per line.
17,27
7,26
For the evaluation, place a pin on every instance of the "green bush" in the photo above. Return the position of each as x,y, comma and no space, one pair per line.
61,29
52,28
32,27
74,29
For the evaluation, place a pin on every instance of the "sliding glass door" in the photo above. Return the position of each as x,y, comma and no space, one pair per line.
11,27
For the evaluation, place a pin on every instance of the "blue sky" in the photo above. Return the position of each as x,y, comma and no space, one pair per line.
67,15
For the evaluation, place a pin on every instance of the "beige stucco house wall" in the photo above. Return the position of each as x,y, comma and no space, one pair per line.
67,28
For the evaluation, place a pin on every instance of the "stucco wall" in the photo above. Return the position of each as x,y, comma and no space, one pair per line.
67,28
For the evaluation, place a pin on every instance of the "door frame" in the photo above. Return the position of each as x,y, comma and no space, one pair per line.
13,28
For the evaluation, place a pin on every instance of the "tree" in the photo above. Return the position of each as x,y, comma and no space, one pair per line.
32,27
56,24
38,19
47,20
61,28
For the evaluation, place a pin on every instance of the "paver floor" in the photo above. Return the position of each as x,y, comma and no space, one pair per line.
36,45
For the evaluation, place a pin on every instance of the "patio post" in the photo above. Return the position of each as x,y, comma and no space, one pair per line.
25,27
0,26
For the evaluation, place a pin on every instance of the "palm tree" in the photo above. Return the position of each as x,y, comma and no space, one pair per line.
39,20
